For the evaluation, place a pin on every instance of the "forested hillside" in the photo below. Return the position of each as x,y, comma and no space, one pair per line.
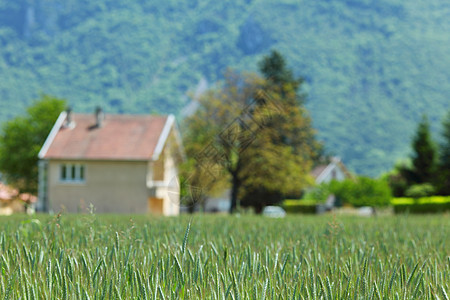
372,67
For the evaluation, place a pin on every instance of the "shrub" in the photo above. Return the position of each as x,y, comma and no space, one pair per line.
363,191
300,206
436,204
318,194
420,190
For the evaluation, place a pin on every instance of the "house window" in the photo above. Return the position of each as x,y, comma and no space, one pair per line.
71,173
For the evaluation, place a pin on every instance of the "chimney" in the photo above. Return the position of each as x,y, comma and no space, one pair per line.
69,122
99,116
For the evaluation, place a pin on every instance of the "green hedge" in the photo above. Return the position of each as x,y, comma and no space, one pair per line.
299,206
435,204
363,191
358,192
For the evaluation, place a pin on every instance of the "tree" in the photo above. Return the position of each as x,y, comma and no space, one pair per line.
253,132
285,88
215,136
274,69
21,140
423,172
362,191
272,170
400,178
444,158
424,158
290,130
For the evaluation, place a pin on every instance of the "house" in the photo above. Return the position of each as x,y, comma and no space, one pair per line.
333,170
114,163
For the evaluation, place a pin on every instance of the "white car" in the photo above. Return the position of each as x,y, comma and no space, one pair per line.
274,212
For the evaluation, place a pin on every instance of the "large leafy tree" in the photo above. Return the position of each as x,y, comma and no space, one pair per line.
22,138
215,137
290,130
255,133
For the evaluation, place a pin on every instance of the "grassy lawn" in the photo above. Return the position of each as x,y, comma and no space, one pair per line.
222,257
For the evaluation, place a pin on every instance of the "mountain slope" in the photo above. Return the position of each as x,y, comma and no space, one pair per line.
372,67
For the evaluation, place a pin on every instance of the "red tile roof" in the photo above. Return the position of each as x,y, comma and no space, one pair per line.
121,137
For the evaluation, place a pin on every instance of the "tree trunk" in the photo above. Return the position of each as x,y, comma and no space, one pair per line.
258,208
235,184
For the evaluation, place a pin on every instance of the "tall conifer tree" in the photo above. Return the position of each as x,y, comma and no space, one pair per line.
424,158
444,158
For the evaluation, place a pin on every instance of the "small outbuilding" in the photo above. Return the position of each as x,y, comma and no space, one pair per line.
325,173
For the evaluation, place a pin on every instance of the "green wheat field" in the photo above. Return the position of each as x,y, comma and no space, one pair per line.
224,257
